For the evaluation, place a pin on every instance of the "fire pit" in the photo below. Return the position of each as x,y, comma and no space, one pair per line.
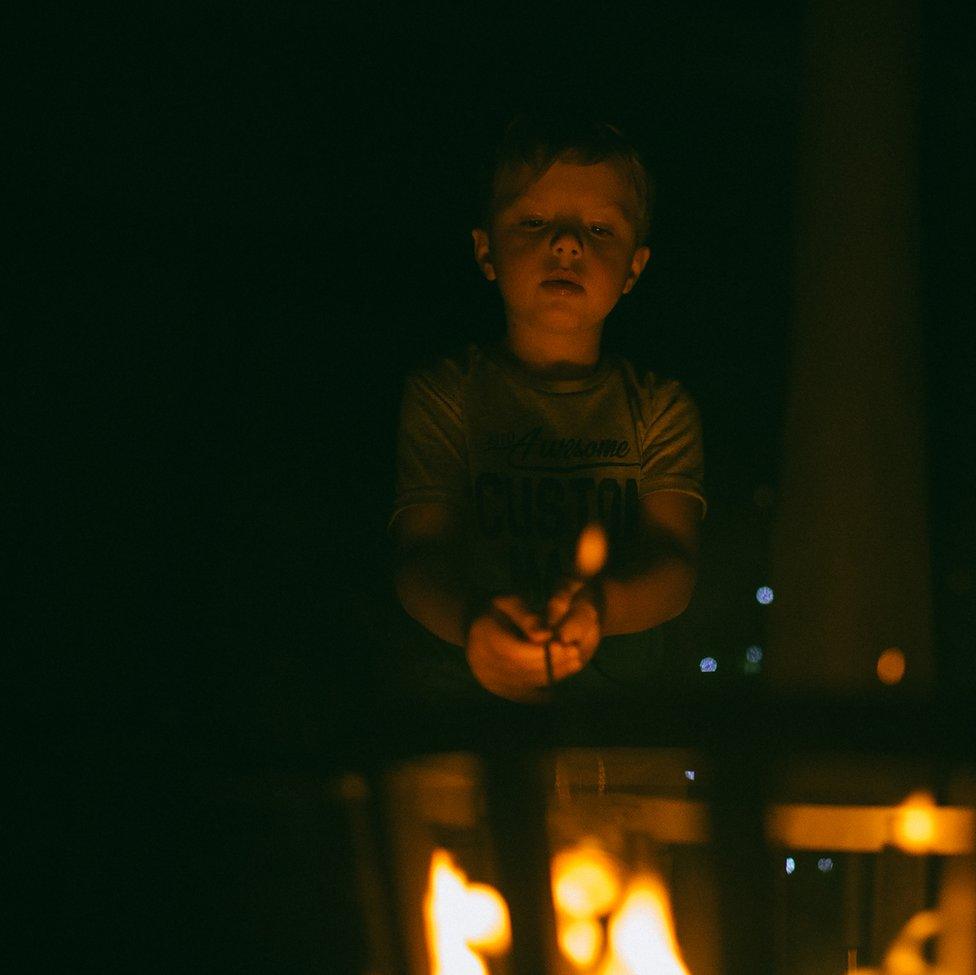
765,840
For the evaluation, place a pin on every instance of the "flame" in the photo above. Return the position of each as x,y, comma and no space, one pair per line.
591,550
642,936
460,917
585,881
580,940
914,827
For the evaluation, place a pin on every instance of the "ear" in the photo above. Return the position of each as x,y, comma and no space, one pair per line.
482,253
637,263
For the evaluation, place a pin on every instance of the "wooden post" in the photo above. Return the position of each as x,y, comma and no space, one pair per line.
850,548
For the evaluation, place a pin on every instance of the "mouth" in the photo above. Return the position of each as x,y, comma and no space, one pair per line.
563,286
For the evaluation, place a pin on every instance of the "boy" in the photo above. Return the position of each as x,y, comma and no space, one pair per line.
507,452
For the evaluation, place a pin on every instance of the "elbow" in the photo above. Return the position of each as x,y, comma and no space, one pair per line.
681,590
409,595
685,589
653,601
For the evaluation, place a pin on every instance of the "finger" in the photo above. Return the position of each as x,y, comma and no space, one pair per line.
558,607
522,660
527,663
572,630
506,665
524,619
561,600
566,659
581,618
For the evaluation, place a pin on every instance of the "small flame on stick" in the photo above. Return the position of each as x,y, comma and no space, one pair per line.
591,551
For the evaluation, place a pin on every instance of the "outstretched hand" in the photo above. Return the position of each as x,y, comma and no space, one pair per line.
507,650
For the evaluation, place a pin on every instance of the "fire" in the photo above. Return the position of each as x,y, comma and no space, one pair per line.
591,550
462,920
914,827
642,936
580,940
585,881
586,886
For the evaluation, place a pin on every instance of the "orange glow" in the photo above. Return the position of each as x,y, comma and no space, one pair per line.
585,881
891,666
641,933
906,956
914,826
591,551
871,828
460,917
580,941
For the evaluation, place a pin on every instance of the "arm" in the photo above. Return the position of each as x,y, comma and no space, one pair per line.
429,580
657,581
505,641
651,585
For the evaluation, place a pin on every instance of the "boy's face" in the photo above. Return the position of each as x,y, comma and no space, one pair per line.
563,249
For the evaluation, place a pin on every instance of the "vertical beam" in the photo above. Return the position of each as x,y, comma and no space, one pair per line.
850,548
740,779
516,801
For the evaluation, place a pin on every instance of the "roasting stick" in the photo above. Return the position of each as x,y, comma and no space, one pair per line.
591,557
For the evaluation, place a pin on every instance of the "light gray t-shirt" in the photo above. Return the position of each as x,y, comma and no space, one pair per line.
527,462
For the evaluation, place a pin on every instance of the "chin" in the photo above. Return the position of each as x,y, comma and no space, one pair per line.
563,324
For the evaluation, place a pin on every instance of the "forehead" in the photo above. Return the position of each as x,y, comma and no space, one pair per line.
602,184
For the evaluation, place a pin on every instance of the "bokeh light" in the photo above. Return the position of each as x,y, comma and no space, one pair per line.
914,827
891,666
754,654
585,881
765,595
580,940
825,864
790,865
708,665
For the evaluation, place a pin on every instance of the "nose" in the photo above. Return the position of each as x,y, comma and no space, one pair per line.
566,242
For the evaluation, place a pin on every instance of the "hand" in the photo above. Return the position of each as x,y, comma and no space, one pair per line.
574,615
506,650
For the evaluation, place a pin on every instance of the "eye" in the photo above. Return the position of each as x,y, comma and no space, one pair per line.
531,222
601,230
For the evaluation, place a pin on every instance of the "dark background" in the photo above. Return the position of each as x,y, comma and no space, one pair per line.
248,223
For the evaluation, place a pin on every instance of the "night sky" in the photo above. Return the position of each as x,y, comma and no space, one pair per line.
250,222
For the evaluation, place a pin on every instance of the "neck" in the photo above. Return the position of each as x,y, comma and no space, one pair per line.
555,355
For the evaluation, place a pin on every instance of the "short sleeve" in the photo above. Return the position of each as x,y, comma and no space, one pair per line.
431,453
672,458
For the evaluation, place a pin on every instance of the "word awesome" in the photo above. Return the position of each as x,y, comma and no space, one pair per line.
533,447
